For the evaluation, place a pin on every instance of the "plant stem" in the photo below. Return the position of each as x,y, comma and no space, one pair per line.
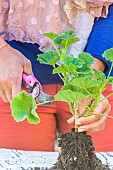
59,74
71,107
46,102
107,96
88,92
96,101
56,48
98,114
75,107
74,110
110,70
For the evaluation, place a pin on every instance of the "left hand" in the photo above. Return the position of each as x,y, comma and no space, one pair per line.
94,122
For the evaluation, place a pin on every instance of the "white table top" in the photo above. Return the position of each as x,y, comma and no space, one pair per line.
19,160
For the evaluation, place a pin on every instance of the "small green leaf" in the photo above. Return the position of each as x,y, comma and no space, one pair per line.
66,39
61,69
51,35
70,64
87,58
80,63
68,42
49,58
108,55
23,106
70,59
69,96
87,61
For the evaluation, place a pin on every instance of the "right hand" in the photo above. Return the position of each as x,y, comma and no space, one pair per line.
95,122
12,65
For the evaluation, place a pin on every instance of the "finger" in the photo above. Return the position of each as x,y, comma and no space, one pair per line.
97,125
86,120
3,96
27,67
8,92
71,120
93,127
16,87
26,63
101,107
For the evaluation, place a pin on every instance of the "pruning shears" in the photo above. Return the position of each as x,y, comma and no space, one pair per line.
35,89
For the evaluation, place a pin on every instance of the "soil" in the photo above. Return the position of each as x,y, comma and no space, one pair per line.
77,153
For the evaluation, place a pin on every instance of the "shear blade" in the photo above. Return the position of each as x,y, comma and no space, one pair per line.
44,98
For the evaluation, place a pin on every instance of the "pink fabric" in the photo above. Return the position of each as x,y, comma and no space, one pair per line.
98,8
27,20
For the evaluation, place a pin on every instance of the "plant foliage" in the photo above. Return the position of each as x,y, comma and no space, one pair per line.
76,73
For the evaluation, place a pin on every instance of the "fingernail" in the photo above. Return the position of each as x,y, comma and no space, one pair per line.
80,130
71,119
77,123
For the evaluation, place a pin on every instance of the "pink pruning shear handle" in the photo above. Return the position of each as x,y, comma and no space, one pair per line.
30,80
36,90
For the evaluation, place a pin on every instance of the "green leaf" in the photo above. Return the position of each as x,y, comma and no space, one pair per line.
51,35
23,106
49,58
61,69
80,63
87,61
66,43
69,64
108,55
70,86
66,39
70,60
67,34
33,118
69,96
64,69
88,88
87,58
84,83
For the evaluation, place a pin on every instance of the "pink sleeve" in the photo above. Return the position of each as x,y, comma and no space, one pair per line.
4,8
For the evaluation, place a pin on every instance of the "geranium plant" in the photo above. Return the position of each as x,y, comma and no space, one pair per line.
81,81
76,73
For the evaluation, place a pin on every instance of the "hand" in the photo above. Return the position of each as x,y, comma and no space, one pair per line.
94,122
12,65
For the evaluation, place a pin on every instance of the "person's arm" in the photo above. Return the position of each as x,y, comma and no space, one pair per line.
12,65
